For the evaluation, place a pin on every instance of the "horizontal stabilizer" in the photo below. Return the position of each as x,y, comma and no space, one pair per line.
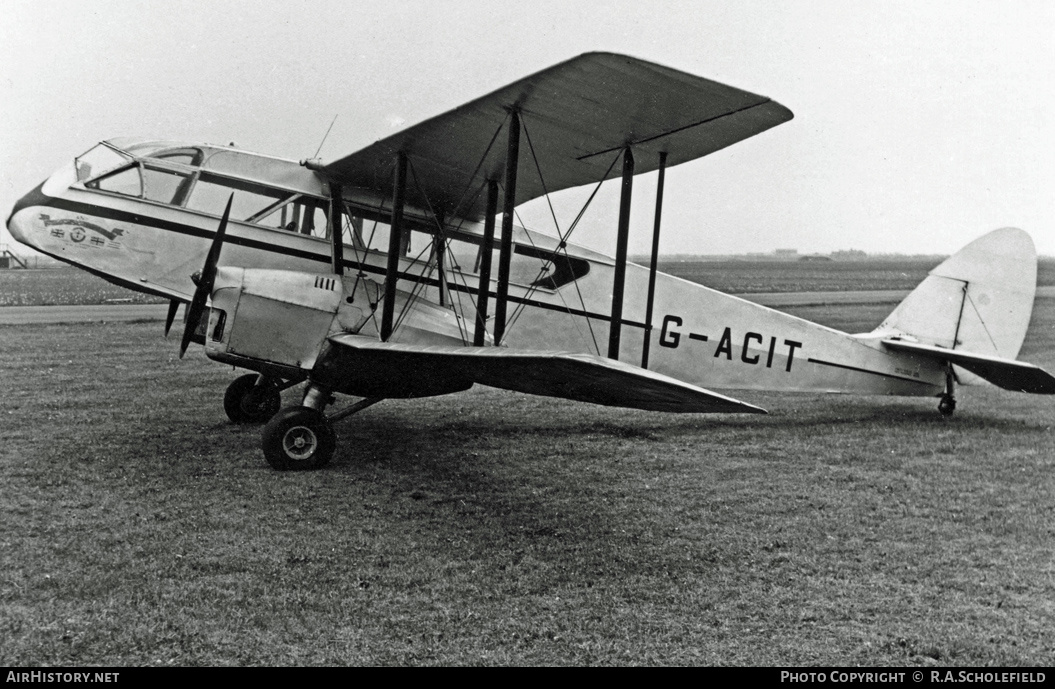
581,377
1006,373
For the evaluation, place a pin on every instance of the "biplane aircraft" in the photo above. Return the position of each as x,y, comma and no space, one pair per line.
398,271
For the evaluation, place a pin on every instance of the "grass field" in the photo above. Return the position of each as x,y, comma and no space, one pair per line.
138,527
63,285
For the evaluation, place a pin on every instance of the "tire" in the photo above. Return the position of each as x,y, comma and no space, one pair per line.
298,438
947,406
245,403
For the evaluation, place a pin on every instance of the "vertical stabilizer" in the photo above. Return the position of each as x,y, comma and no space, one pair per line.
978,300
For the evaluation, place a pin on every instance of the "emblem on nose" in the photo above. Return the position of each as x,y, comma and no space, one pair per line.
79,226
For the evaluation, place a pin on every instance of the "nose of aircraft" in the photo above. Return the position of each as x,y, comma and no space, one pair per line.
18,225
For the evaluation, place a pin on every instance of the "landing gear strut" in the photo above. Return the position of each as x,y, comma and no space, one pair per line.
947,405
303,437
252,398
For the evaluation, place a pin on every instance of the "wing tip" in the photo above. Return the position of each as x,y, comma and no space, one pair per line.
752,409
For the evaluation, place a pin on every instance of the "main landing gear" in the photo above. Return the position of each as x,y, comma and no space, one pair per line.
947,405
252,398
302,438
298,438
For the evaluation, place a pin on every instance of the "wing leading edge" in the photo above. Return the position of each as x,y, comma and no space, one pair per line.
578,115
412,370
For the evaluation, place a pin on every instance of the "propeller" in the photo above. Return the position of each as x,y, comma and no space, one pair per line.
204,282
173,307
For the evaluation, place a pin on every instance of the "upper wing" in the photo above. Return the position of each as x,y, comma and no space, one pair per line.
577,115
1006,373
413,370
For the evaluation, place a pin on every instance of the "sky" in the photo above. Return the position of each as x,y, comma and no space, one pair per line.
918,126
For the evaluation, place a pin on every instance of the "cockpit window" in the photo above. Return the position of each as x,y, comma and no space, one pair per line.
172,176
98,160
127,182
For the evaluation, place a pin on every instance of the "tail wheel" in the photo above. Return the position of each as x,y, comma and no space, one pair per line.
247,402
298,438
948,402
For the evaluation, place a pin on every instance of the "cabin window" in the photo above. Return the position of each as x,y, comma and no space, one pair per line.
315,219
353,232
210,195
298,213
127,182
523,270
253,203
528,266
164,186
374,234
463,256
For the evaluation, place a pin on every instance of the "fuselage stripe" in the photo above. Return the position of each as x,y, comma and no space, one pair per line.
179,228
865,370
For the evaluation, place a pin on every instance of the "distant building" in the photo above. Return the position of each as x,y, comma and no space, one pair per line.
10,260
850,255
786,253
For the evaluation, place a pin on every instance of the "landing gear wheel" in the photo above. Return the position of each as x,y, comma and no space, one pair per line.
948,402
244,402
298,438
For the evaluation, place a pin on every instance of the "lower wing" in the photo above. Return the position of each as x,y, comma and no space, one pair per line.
582,377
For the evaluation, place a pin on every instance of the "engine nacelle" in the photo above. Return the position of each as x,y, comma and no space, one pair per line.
272,318
277,321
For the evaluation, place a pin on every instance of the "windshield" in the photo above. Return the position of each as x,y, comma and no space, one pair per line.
99,159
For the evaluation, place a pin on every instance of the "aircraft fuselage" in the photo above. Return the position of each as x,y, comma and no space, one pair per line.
145,216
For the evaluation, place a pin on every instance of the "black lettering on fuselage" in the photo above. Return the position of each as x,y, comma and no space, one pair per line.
792,346
667,336
670,336
743,352
725,345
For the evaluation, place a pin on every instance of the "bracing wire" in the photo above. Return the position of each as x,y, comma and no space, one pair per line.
442,236
324,136
560,295
479,164
562,246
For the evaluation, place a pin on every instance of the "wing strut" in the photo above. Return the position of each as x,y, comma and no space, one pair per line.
655,259
336,225
620,255
486,249
439,249
395,243
508,207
